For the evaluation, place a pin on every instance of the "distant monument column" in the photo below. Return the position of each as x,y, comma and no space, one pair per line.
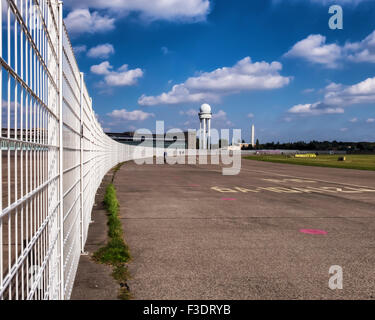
205,116
253,136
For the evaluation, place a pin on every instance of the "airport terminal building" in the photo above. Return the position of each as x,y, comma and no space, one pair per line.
186,140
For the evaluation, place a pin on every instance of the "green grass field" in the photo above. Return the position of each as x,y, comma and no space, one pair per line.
359,162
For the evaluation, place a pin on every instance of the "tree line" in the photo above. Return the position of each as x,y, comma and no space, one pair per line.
350,147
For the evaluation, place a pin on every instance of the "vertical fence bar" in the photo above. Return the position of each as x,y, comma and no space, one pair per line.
61,149
8,147
22,161
16,151
81,164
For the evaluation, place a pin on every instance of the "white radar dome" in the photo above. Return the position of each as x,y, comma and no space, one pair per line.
205,108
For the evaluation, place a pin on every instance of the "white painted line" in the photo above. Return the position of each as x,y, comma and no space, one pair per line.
318,180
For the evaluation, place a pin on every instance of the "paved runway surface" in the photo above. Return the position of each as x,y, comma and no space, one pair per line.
196,234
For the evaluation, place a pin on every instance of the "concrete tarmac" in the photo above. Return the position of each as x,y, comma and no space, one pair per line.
196,234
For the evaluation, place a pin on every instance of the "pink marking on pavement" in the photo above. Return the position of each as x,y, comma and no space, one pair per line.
313,231
194,185
229,199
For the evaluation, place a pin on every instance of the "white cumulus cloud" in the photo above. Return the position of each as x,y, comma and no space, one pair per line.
362,51
135,115
314,49
317,108
220,115
102,68
120,77
211,86
83,21
337,97
184,10
79,49
101,51
362,92
309,90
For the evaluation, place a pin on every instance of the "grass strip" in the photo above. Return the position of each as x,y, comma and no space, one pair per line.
358,162
116,252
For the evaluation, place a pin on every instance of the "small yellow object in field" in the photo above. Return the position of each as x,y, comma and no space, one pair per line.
306,155
342,159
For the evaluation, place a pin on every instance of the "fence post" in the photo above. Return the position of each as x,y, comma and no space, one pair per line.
61,149
81,167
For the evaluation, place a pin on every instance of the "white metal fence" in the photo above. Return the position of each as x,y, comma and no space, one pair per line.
54,153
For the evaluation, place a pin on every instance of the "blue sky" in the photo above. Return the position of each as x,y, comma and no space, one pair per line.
274,63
